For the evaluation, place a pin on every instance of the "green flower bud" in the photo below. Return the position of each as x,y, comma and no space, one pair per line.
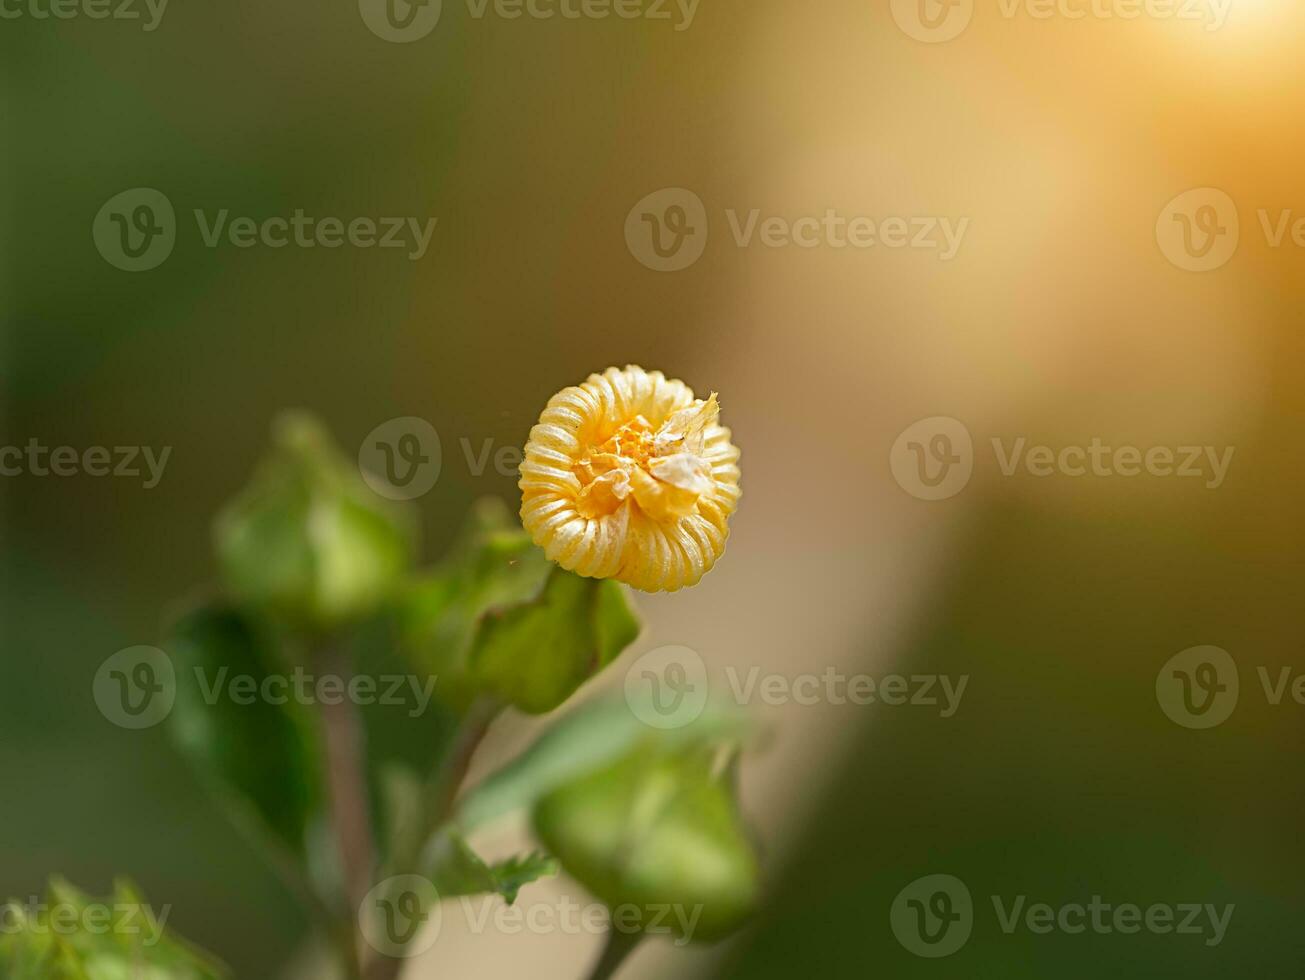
307,540
654,831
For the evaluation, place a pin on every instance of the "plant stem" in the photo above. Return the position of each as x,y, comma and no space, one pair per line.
442,788
457,761
344,939
350,817
616,950
438,806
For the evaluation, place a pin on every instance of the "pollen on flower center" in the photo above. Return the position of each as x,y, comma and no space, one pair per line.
662,470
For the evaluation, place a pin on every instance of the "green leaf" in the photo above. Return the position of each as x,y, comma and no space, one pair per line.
493,565
260,757
307,540
511,875
497,617
75,937
455,869
586,739
536,654
654,830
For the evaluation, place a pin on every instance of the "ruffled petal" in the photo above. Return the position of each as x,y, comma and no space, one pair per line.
629,476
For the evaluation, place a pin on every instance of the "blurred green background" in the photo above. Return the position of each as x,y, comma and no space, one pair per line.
530,141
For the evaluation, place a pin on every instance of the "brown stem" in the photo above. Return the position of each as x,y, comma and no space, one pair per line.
350,817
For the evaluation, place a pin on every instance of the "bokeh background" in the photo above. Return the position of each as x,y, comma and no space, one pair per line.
1060,320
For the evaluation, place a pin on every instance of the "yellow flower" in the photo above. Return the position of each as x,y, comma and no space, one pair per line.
629,476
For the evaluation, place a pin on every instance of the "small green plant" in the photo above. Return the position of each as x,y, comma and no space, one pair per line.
361,807
72,936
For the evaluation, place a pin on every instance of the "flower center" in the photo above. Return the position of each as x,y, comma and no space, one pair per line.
660,470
